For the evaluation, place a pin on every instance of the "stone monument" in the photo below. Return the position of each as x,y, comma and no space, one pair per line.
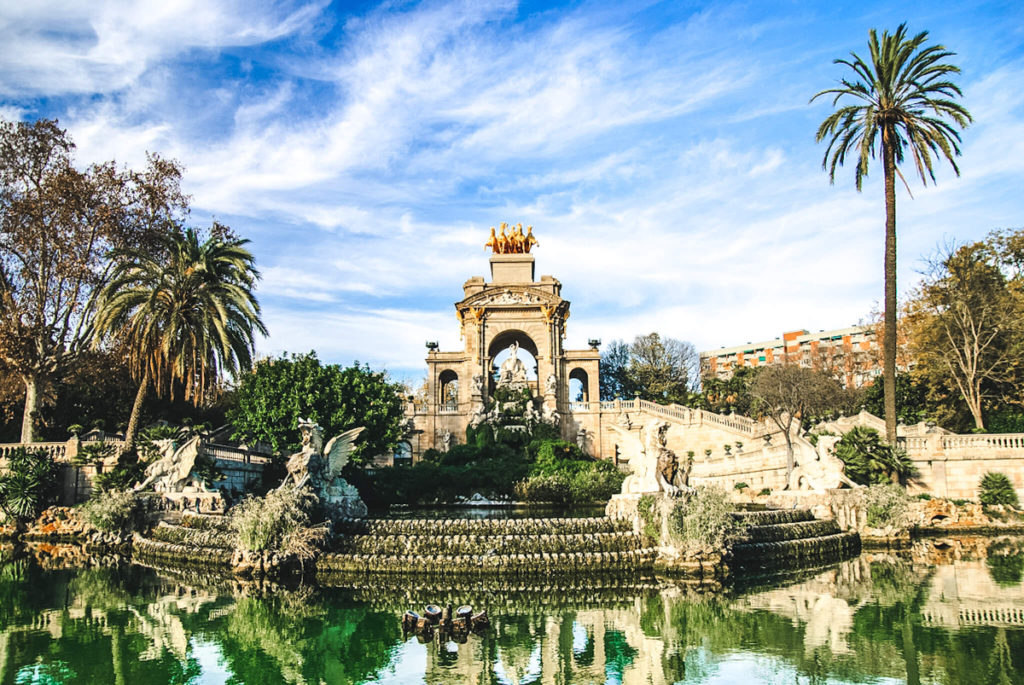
319,468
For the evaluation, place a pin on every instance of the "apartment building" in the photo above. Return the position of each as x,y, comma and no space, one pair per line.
850,354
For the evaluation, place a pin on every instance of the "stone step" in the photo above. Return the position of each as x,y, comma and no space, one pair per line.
790,531
453,526
768,555
202,537
205,521
149,550
771,517
486,564
470,545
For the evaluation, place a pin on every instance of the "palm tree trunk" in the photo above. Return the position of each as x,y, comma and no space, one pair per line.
889,328
31,409
133,420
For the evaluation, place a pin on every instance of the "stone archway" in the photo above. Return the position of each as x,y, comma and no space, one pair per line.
579,386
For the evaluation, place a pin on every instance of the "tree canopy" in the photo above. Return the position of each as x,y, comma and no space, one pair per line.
58,227
271,398
653,367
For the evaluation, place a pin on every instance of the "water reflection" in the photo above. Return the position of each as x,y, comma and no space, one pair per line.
952,611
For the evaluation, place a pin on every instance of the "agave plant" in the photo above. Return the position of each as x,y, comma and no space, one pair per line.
29,485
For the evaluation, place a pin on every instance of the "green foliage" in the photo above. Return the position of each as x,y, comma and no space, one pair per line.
732,394
996,488
1005,420
703,521
911,399
885,505
740,486
923,496
280,521
1005,561
28,485
646,509
653,367
118,511
270,400
765,492
869,459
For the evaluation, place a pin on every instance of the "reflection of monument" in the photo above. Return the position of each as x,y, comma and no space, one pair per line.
513,312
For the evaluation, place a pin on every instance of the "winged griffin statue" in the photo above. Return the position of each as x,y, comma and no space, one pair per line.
171,472
319,468
655,468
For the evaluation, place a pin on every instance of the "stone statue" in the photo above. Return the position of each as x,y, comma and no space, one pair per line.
551,386
319,468
821,470
478,384
445,439
513,371
172,470
654,466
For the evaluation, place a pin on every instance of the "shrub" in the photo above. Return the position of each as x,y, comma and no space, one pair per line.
885,505
869,460
740,486
924,496
280,521
645,508
703,522
996,488
553,488
765,491
29,484
118,512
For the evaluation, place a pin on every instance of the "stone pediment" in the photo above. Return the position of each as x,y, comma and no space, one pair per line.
510,296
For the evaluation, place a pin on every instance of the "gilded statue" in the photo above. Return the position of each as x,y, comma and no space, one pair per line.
512,241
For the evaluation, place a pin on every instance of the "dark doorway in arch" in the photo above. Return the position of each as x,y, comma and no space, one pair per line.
448,389
499,351
579,386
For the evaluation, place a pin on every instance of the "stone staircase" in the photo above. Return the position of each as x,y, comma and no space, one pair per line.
789,539
196,540
490,546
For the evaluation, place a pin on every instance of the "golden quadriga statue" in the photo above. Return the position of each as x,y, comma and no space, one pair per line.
515,242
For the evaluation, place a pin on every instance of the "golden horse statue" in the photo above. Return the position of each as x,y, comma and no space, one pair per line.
514,242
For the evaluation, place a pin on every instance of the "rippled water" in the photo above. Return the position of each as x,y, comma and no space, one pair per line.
951,612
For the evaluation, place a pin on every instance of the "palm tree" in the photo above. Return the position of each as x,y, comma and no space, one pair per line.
185,312
904,104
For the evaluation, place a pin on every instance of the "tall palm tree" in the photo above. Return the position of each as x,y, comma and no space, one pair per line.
903,107
185,312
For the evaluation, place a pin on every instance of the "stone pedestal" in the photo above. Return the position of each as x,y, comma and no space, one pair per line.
512,268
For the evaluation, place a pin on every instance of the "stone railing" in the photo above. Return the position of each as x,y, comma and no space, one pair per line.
57,450
448,408
973,446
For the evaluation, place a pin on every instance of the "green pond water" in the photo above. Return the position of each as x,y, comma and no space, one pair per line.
948,612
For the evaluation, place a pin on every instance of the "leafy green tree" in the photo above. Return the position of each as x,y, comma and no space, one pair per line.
614,364
58,227
903,107
186,313
869,460
728,395
271,399
911,399
654,368
966,326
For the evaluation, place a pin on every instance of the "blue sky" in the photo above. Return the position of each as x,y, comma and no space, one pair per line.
664,152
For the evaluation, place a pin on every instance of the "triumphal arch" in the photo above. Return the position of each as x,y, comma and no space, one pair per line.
512,328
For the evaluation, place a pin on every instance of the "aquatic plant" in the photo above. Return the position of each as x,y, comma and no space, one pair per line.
118,511
278,522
